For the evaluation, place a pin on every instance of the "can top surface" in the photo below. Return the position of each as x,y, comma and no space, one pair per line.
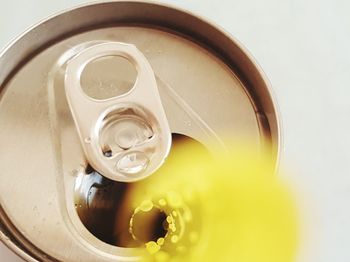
209,86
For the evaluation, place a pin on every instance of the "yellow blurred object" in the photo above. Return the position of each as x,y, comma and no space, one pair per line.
216,207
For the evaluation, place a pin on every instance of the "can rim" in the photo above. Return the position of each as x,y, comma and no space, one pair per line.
10,242
17,250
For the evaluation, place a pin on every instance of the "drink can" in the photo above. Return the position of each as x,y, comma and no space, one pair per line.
92,100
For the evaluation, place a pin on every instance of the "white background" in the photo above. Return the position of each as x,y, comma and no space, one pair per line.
303,46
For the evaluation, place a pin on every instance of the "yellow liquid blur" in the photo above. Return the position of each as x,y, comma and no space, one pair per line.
228,208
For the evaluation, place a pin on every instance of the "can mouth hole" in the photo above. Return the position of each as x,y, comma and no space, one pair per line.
107,77
105,209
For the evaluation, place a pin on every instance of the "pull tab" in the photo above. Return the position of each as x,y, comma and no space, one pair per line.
127,137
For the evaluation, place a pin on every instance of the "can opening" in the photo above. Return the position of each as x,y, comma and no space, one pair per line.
107,77
104,207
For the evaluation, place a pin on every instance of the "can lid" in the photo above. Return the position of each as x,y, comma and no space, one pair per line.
204,86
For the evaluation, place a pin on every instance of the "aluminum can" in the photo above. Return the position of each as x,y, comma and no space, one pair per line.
194,82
